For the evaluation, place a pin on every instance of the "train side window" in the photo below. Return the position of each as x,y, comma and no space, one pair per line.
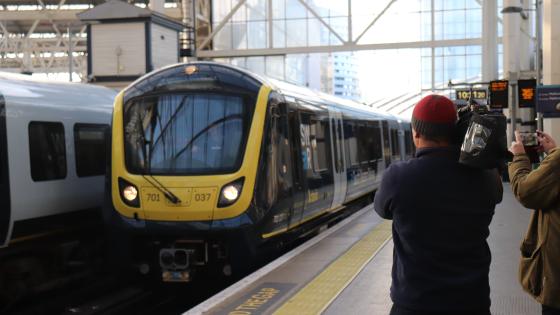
376,138
89,144
395,142
386,143
364,150
314,137
284,156
47,150
367,139
409,146
351,142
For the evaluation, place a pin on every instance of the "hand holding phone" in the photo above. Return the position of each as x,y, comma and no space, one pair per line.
545,141
530,145
529,138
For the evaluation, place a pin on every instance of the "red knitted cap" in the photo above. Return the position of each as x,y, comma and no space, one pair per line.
435,109
434,116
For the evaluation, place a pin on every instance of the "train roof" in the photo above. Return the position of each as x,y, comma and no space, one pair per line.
16,88
297,91
287,89
312,95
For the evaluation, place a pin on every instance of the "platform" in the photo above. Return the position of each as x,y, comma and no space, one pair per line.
347,270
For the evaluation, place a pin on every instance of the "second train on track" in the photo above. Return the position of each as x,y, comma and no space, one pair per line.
210,162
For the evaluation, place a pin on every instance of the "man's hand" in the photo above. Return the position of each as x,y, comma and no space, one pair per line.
545,141
517,145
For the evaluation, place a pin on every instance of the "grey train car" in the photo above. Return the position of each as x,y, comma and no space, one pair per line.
52,144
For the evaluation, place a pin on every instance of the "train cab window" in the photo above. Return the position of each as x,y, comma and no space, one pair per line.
89,144
47,150
188,134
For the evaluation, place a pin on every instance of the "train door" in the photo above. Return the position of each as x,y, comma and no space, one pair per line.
315,144
337,151
4,178
297,166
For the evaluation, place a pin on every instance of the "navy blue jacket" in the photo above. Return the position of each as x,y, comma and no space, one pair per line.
441,211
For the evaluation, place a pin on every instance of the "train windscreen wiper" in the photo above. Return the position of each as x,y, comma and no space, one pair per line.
147,171
166,192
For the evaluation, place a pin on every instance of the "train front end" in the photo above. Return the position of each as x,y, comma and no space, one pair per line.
185,147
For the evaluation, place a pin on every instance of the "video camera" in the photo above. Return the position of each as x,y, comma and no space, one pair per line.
482,135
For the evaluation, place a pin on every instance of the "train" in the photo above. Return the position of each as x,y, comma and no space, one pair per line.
53,140
52,160
210,161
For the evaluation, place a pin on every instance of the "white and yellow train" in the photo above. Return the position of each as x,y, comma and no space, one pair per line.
210,161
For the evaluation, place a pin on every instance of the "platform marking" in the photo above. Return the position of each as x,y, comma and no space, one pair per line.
318,294
258,300
222,296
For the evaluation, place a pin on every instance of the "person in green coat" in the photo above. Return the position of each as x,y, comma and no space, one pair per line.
539,189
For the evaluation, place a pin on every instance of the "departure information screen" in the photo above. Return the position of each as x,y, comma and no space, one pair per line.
527,92
499,94
477,94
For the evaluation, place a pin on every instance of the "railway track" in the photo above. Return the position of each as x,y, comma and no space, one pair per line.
94,290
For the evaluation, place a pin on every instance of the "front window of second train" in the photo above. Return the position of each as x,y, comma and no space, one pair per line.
186,133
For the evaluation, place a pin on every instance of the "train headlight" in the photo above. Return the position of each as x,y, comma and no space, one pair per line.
129,193
230,193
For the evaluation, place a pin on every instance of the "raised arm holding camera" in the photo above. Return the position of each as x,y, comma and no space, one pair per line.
539,189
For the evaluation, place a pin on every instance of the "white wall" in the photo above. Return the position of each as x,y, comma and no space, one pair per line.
551,59
108,39
165,46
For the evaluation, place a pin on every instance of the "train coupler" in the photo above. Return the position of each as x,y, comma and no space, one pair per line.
174,263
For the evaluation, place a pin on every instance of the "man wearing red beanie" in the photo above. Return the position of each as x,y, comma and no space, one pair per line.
441,211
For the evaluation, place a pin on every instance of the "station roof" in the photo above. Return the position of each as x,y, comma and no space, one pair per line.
118,10
68,2
114,9
20,20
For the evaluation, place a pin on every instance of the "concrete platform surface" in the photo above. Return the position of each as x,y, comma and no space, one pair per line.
369,291
347,270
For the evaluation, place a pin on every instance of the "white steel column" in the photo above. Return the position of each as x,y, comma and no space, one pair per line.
157,6
551,54
526,41
489,40
526,54
511,34
511,42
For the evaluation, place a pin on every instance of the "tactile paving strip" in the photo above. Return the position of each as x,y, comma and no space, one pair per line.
317,295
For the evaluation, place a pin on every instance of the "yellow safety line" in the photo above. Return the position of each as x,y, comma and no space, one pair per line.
318,294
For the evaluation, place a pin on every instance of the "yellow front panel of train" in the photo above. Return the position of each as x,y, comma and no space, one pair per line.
198,195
